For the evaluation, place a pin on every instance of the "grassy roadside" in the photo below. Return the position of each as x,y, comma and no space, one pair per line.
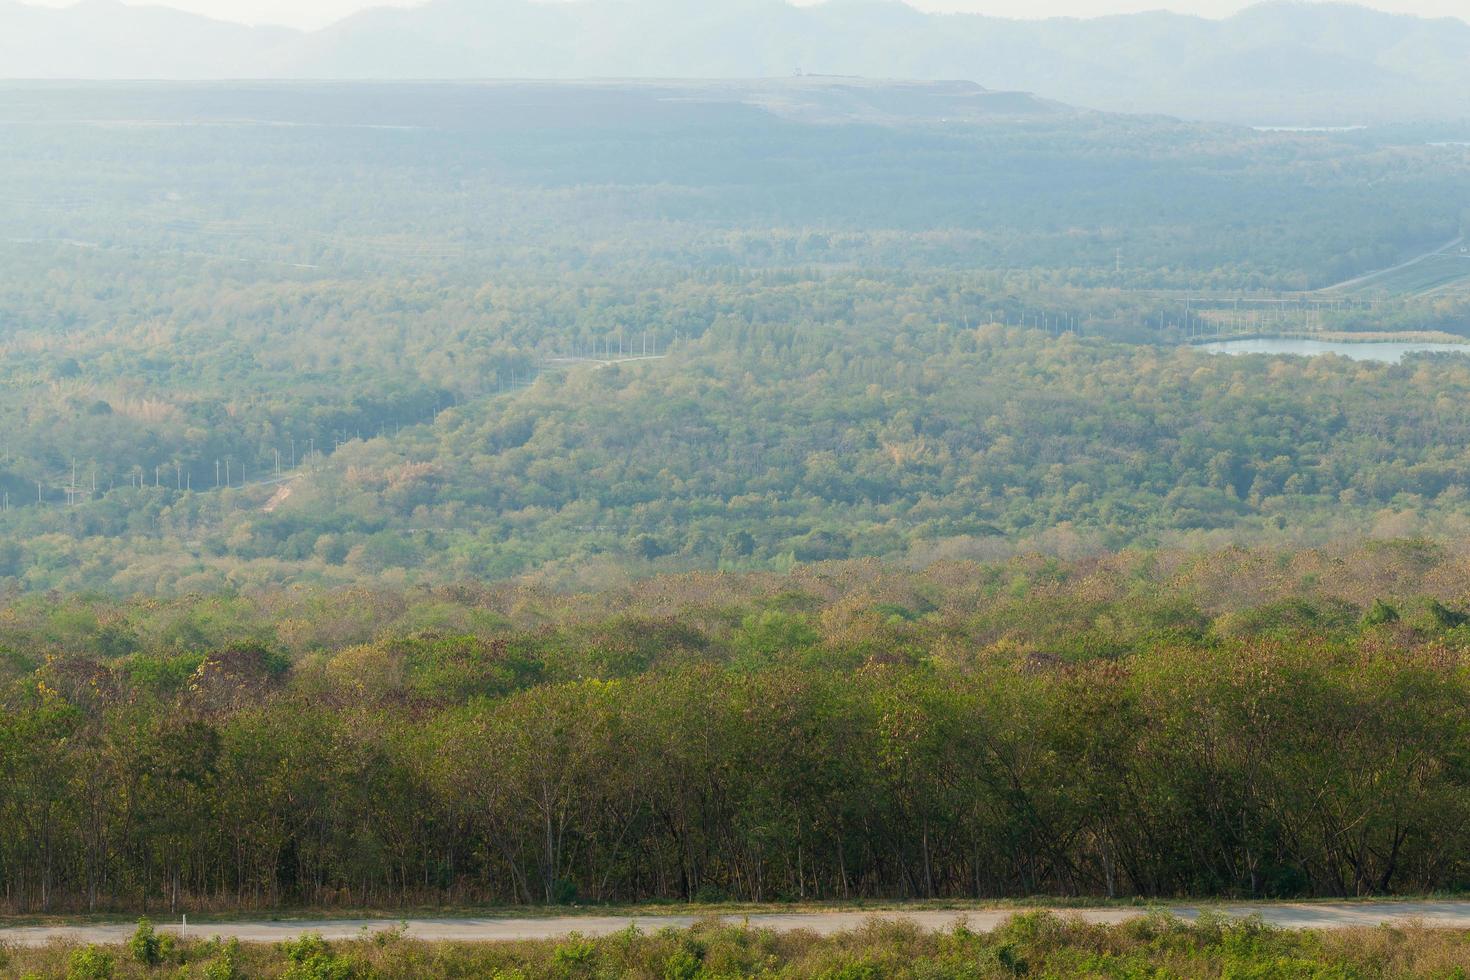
1036,943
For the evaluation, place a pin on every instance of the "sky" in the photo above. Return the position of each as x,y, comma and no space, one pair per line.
318,13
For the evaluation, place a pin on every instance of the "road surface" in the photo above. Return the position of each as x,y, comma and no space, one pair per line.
1438,914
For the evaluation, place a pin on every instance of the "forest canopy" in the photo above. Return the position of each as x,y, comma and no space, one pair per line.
481,495
347,333
1150,724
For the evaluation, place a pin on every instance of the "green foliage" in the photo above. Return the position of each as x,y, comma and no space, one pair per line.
225,963
853,971
1040,946
1380,614
91,963
683,963
1432,616
576,956
312,958
1297,615
146,946
164,674
857,328
1029,726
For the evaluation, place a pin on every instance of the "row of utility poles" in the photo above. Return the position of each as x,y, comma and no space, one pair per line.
647,346
228,473
1197,318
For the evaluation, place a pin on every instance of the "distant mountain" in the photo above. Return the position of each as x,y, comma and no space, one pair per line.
1276,63
107,39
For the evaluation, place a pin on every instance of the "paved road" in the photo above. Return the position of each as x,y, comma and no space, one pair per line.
1454,915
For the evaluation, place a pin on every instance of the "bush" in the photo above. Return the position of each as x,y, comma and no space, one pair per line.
853,971
710,895
391,936
145,946
226,963
1382,614
312,959
576,955
683,964
90,963
564,892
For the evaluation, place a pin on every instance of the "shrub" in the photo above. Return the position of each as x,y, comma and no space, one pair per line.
683,964
710,895
144,946
226,963
576,955
312,959
90,963
1381,614
563,892
861,970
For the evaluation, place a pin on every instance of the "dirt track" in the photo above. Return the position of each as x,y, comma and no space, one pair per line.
1446,914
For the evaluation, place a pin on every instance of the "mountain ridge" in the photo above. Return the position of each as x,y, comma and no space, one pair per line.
1278,62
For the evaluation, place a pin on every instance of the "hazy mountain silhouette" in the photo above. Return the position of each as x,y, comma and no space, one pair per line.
107,39
1280,62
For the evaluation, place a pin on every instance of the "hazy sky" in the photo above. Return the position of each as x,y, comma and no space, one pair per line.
315,13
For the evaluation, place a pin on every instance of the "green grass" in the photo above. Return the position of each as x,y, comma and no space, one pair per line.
1035,944
1435,272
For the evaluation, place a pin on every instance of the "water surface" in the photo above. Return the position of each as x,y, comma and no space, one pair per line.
1386,352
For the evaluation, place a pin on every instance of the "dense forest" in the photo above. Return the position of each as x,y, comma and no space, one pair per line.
332,334
760,446
526,494
1152,723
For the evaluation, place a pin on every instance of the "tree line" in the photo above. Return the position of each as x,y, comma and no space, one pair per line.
776,748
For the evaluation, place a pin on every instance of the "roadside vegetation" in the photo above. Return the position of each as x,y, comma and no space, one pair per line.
1034,944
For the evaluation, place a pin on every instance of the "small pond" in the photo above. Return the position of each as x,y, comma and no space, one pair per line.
1387,352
